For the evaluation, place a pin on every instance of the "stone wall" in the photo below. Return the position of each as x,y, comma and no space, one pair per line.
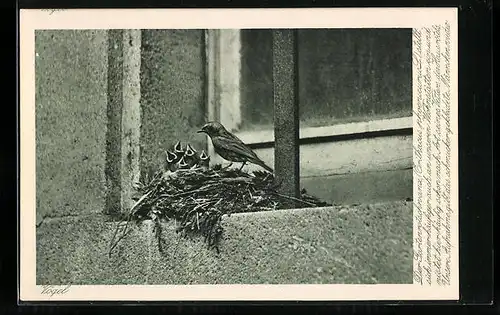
71,102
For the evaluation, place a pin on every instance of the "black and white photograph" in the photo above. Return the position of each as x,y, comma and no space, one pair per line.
193,156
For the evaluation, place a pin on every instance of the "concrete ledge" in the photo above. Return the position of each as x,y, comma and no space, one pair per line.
354,244
74,250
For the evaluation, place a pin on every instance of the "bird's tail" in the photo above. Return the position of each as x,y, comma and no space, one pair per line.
264,165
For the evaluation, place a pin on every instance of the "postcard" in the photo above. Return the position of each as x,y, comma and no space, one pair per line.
239,154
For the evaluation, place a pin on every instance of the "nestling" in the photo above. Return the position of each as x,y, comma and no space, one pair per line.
204,160
190,156
171,160
182,164
178,150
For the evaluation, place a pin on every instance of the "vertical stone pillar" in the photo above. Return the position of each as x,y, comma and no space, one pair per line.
223,51
286,112
124,118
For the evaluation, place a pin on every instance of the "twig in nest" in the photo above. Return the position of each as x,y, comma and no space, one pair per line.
131,213
296,199
201,189
197,220
236,180
113,245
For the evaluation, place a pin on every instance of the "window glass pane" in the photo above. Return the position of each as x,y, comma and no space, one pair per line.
256,80
348,75
345,75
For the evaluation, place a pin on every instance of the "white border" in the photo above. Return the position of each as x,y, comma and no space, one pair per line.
210,18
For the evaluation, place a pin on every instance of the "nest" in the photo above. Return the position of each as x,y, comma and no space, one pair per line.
196,199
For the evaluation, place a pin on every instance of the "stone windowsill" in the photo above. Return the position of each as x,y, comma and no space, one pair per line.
350,244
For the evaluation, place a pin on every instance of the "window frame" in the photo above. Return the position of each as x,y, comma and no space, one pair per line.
221,48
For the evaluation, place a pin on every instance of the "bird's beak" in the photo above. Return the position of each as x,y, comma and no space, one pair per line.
200,131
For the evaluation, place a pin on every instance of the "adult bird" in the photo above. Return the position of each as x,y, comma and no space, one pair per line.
230,147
